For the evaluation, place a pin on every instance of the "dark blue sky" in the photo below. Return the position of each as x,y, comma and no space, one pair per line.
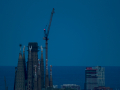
82,32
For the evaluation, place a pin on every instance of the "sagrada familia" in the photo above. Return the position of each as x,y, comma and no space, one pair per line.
31,75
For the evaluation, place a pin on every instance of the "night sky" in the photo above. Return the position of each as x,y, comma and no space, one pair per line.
82,32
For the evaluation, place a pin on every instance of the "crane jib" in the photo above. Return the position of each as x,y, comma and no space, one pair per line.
50,21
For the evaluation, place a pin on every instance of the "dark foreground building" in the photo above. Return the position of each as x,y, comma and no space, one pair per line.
33,77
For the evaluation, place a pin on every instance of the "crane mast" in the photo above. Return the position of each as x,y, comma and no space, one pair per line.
46,39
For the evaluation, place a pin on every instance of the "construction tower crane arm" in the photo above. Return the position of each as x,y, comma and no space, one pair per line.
50,21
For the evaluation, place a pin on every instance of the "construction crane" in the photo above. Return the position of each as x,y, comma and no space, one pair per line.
46,39
46,34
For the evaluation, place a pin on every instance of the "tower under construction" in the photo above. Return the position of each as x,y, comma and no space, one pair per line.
32,78
20,73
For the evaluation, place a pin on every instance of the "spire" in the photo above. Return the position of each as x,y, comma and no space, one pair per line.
20,47
29,70
20,74
30,48
41,49
42,68
24,54
24,61
20,54
24,48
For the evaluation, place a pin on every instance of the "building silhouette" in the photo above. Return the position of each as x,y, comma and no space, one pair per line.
33,77
20,73
94,77
71,86
100,75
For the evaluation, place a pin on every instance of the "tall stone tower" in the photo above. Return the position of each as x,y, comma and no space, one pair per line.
24,63
20,74
42,68
32,61
29,70
33,78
